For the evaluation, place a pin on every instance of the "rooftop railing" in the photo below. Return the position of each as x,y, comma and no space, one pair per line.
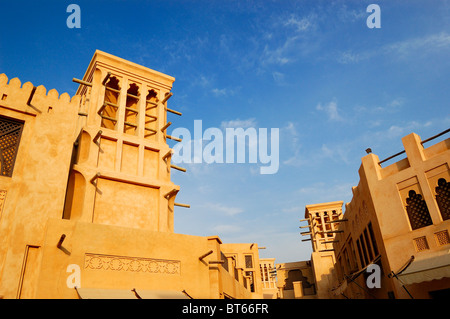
423,142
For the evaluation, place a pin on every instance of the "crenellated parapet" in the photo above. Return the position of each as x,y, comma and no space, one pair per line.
38,129
31,100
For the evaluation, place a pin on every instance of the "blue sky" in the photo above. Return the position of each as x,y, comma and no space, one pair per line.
313,69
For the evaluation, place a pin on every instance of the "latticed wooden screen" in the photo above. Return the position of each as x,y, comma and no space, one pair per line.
10,133
443,198
417,209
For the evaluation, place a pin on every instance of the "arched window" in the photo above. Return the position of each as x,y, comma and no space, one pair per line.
443,198
417,210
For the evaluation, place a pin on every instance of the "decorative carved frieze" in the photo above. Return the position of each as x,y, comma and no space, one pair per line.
134,264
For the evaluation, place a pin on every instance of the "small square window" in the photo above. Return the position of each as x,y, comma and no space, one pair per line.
421,243
442,238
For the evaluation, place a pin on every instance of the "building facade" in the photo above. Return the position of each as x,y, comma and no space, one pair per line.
86,200
393,240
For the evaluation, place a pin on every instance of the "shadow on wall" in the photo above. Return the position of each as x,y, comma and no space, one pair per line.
297,275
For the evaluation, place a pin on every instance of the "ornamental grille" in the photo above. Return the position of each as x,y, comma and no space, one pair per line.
443,198
442,238
417,211
421,243
10,133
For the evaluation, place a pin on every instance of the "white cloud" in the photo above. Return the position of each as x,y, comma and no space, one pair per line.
432,42
219,92
289,133
290,127
331,109
348,57
296,160
326,151
202,81
337,152
290,38
278,77
223,92
395,103
279,55
419,46
392,106
397,131
301,24
345,14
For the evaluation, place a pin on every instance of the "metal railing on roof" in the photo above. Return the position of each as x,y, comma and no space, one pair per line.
423,142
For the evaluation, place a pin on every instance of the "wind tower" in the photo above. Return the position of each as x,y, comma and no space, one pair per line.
323,221
121,163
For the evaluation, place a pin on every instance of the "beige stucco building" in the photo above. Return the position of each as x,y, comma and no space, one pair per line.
87,204
398,219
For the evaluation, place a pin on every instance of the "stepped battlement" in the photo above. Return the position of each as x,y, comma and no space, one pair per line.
33,100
